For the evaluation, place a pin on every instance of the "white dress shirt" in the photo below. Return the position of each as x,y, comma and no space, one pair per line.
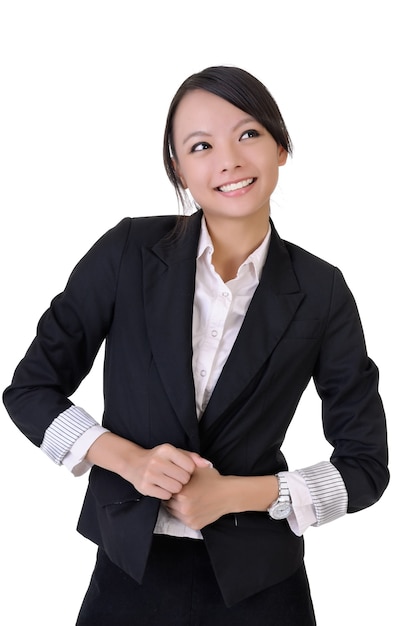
318,493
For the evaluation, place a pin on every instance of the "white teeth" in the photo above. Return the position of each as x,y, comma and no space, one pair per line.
234,186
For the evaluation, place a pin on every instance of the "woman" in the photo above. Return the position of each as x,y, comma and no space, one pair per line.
214,326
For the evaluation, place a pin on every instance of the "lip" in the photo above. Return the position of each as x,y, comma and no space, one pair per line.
244,184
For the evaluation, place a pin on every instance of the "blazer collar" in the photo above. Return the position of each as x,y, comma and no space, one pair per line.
273,306
169,282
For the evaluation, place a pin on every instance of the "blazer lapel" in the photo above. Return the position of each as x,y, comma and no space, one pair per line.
272,308
169,283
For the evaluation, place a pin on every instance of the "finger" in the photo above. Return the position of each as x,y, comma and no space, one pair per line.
180,458
200,461
165,474
171,484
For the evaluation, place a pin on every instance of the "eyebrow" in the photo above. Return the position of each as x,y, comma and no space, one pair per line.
203,133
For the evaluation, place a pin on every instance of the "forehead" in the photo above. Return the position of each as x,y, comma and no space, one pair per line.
201,110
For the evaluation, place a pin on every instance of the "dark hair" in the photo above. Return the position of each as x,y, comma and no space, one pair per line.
239,88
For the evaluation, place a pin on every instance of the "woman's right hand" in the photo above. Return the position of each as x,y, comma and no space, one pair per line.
159,472
162,471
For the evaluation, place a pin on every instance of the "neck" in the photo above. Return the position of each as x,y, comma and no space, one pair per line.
234,240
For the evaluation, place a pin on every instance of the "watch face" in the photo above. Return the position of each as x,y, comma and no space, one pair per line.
280,510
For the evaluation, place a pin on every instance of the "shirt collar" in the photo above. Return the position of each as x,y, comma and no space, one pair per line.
257,258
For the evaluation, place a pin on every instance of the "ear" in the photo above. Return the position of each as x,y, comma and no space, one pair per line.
179,173
282,156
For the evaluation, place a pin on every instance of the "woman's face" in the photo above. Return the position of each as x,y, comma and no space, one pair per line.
227,159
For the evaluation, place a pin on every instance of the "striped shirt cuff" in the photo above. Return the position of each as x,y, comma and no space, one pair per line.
64,431
328,491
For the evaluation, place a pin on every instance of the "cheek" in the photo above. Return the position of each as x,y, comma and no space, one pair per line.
272,169
196,176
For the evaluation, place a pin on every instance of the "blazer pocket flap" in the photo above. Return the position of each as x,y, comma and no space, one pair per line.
109,488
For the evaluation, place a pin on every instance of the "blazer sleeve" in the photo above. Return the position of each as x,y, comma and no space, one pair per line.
68,338
353,415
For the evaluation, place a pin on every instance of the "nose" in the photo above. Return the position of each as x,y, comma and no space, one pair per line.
230,157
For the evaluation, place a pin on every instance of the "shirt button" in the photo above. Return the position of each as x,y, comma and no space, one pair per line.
214,333
203,373
225,294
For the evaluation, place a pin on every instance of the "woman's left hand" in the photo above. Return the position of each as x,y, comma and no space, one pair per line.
202,500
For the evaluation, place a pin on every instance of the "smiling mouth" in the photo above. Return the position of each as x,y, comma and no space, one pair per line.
235,186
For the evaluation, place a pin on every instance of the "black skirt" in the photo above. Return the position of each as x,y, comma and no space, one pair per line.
180,589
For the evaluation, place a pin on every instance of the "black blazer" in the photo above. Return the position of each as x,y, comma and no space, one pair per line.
135,290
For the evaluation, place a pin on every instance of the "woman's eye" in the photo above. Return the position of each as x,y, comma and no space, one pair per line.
199,147
249,134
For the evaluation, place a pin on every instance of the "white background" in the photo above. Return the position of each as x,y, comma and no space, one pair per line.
85,86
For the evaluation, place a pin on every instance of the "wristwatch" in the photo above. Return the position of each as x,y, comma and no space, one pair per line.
281,507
